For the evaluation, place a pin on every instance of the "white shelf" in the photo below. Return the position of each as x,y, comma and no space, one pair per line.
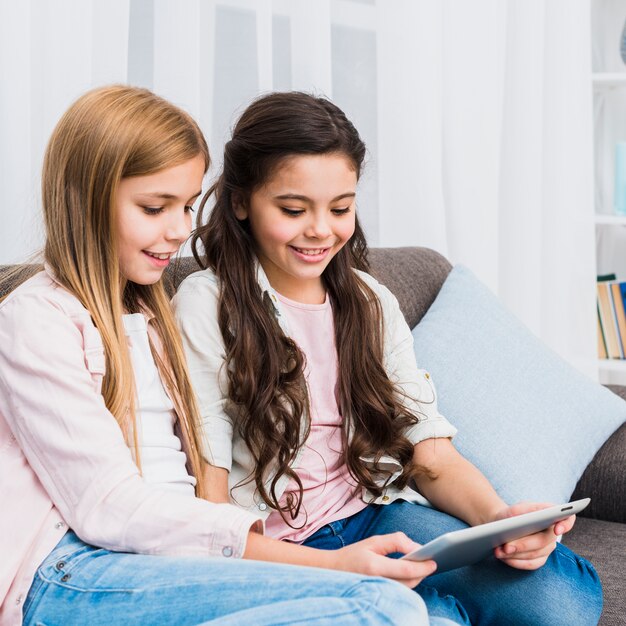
608,80
610,220
612,365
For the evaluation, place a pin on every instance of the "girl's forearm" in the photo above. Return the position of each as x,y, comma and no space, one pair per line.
216,481
262,548
456,485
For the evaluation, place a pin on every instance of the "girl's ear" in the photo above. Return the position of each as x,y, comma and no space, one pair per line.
240,206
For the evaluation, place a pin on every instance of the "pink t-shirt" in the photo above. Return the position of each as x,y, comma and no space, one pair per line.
330,493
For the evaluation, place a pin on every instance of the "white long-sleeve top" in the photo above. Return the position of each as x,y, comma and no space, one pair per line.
196,310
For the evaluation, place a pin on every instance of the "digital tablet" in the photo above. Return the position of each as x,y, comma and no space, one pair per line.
470,545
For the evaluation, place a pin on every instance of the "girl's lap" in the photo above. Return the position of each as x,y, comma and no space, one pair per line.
78,584
565,590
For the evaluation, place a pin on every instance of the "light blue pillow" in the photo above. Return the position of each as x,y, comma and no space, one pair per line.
526,418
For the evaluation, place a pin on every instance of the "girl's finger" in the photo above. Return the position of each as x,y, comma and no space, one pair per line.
526,564
404,571
542,552
564,526
393,542
530,543
525,507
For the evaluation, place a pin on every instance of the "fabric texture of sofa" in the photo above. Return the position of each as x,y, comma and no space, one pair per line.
415,276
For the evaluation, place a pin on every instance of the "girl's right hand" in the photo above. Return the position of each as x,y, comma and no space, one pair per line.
369,557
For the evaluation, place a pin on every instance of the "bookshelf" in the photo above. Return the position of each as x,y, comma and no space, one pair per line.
611,220
608,85
608,80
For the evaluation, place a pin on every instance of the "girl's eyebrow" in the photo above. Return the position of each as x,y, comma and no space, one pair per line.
295,196
165,196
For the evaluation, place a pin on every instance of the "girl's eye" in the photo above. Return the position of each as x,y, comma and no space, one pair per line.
341,211
153,210
292,212
188,209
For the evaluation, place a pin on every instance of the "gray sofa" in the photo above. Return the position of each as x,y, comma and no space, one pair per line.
415,276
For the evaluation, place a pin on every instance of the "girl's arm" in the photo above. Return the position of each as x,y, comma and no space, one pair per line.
459,488
195,310
365,557
51,362
455,486
415,388
216,483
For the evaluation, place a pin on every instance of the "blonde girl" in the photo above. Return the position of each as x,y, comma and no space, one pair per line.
102,479
318,417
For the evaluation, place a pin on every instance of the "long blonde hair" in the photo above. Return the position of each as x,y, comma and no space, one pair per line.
108,134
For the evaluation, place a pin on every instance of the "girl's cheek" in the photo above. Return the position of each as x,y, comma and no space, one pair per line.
282,233
348,232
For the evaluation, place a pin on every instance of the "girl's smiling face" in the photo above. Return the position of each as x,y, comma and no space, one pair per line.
153,218
300,219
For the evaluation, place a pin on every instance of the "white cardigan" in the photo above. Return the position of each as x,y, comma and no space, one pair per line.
195,305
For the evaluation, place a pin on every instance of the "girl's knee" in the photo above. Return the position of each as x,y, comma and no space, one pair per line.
585,581
570,592
396,604
585,598
443,608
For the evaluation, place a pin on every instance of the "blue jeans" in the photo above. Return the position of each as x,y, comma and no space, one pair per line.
566,590
81,584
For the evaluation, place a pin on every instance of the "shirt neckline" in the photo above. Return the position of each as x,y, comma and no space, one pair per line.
303,305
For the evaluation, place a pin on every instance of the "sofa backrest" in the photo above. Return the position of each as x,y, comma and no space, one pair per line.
414,275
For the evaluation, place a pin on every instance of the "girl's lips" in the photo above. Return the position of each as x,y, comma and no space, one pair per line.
160,263
307,257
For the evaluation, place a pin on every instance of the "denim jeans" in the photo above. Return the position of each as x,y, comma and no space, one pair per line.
566,590
81,584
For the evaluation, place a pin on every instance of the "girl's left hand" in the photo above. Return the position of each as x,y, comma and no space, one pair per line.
532,551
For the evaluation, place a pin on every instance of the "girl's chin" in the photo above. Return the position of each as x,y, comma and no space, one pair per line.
149,277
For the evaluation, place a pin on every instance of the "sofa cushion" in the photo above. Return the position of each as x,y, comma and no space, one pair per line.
526,418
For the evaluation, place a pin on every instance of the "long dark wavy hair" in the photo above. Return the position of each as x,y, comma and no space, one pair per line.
265,367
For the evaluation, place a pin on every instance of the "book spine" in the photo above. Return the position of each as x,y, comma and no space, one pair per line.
601,340
618,312
622,300
609,325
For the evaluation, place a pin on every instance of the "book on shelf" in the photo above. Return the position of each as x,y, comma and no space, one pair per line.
608,322
620,314
611,317
601,341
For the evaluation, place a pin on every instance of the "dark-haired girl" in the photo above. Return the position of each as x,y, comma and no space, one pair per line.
318,416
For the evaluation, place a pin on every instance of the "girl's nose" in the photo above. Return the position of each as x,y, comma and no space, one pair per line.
179,227
318,227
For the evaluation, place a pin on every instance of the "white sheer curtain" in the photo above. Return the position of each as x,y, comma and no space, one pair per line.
477,116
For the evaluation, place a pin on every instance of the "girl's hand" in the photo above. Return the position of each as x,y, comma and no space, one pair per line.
532,551
369,557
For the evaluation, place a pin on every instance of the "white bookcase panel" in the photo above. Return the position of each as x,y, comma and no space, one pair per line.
608,85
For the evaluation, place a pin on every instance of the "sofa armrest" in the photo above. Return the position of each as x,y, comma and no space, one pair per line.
604,480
